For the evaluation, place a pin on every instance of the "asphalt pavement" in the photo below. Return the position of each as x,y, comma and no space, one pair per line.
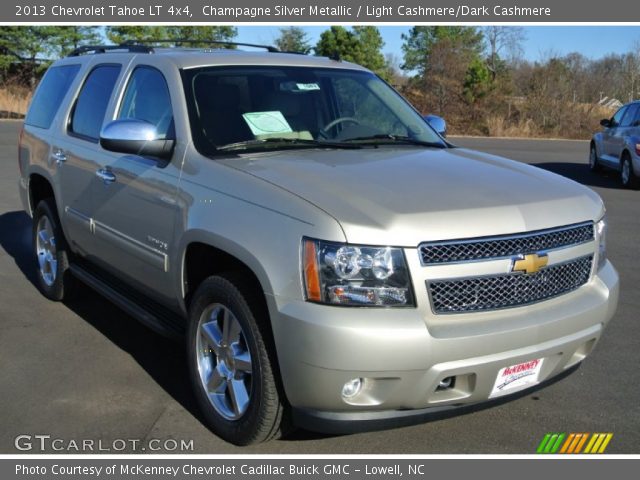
86,371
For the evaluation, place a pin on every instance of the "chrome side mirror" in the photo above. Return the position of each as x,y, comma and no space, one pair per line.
136,137
437,123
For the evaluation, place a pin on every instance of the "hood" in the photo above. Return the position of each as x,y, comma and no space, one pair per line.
403,196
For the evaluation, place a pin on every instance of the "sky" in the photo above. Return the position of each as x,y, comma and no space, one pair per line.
592,41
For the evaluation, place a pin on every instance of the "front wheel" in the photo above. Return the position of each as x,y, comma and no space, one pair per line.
231,363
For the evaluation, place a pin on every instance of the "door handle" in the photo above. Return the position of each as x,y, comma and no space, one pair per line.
106,176
59,156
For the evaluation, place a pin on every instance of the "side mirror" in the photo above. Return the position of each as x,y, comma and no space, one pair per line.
605,122
437,123
136,137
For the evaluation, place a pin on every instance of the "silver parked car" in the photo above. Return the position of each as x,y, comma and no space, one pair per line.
618,146
331,261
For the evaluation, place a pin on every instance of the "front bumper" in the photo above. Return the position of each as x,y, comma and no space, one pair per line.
403,354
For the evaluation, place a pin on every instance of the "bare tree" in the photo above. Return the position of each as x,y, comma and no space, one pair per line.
503,43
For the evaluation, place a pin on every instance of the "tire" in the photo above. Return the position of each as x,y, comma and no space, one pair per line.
52,254
594,161
232,365
627,175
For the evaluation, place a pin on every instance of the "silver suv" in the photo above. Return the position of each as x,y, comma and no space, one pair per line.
618,146
332,261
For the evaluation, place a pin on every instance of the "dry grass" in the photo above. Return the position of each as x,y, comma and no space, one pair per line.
14,101
497,126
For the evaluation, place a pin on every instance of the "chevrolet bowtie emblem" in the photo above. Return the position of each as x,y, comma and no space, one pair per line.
530,263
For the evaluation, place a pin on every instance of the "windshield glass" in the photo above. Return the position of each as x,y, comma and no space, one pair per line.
252,108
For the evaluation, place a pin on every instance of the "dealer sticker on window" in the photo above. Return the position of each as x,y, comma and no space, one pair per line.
516,377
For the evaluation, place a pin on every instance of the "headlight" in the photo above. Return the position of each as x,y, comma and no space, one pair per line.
339,274
601,238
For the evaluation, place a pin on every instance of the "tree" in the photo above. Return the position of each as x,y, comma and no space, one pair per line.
361,45
503,43
293,39
34,47
476,81
203,35
419,44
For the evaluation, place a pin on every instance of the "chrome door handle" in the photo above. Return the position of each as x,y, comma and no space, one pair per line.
59,156
106,176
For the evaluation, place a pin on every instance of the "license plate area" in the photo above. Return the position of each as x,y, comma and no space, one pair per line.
517,377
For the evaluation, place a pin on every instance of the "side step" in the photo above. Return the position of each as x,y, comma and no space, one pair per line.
165,323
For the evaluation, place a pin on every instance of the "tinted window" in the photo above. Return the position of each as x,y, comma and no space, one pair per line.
631,116
53,87
147,98
92,102
615,121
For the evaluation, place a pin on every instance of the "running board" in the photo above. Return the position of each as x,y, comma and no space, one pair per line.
166,324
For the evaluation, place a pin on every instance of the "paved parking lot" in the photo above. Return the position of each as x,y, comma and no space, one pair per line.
85,370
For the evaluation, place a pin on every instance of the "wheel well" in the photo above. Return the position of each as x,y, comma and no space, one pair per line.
202,261
39,189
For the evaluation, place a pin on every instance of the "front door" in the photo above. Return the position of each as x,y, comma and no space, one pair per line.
134,203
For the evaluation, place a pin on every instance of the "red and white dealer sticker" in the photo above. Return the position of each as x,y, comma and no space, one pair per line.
516,377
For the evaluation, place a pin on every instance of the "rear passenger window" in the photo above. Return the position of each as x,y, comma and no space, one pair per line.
147,98
91,105
52,89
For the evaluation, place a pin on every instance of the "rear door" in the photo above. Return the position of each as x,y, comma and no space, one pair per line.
135,211
76,151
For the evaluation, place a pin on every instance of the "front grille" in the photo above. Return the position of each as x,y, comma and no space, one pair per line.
508,290
505,246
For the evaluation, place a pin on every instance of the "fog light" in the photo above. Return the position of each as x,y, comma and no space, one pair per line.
352,388
445,383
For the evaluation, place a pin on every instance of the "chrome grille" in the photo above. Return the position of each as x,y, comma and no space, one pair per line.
508,290
505,246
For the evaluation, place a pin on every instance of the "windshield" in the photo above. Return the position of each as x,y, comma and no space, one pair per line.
238,108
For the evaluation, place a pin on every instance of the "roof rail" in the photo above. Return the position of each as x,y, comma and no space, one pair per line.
130,47
147,46
176,41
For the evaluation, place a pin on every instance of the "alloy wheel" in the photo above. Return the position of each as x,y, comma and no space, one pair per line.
46,251
224,361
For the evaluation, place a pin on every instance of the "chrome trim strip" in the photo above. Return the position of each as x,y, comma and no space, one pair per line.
150,255
78,217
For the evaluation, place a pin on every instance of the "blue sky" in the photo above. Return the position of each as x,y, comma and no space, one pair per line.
591,41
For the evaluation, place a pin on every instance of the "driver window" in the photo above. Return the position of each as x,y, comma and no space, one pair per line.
615,121
630,116
147,98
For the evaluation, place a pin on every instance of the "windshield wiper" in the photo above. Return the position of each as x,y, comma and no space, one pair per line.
387,139
285,142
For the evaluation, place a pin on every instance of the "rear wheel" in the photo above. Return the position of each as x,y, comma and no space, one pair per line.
594,162
52,254
231,364
627,176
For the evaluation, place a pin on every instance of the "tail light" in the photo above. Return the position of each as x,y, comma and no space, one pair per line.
637,148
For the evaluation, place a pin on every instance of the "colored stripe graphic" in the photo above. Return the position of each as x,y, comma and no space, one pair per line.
551,443
598,443
573,443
